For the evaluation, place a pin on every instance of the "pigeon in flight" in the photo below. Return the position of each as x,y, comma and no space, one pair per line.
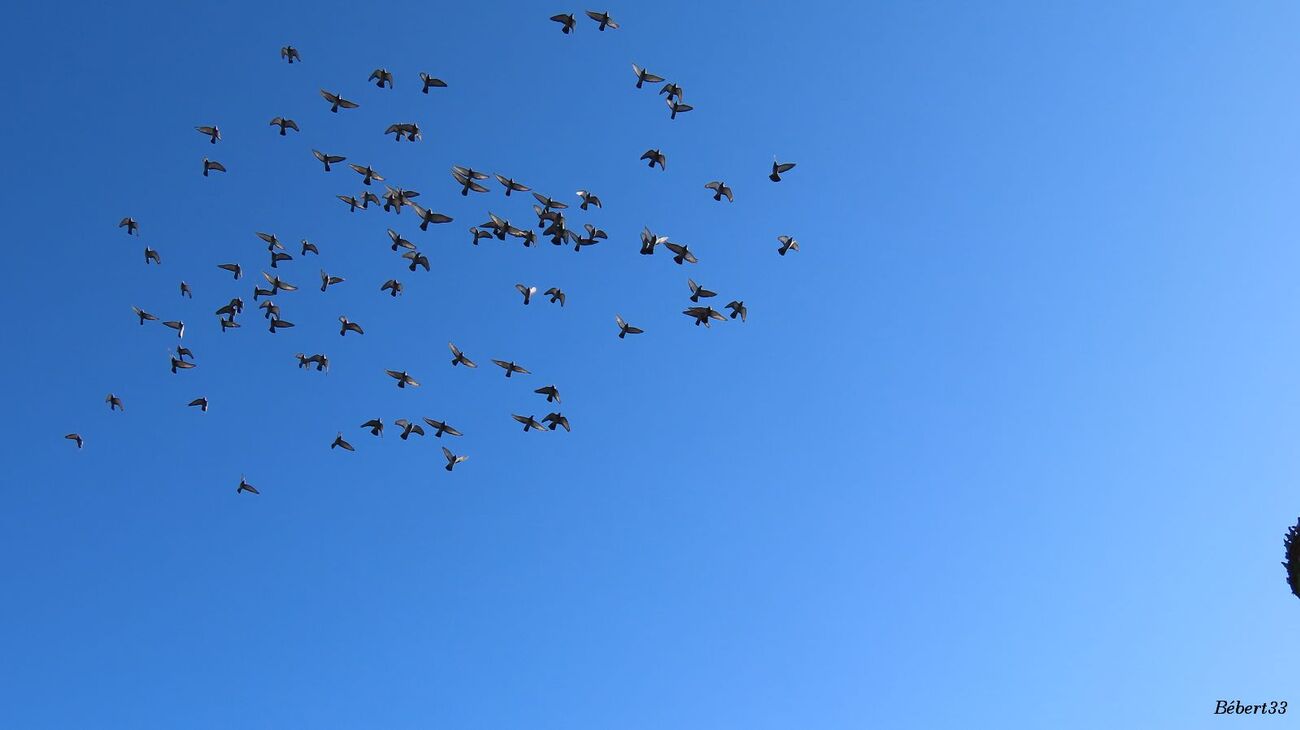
244,486
366,173
683,253
468,178
677,107
290,54
132,228
649,241
566,21
527,291
458,357
75,437
551,392
556,294
277,284
656,158
178,364
381,76
326,281
441,427
114,403
625,329
340,443
511,185
529,422
328,159
549,204
272,241
284,125
557,419
186,291
787,244
698,291
392,286
643,76
212,166
213,133
673,91
588,199
428,216
778,168
347,325
151,256
417,259
702,315
510,367
143,315
178,326
202,404
410,129
376,426
720,190
337,102
235,269
279,324
452,459
738,310
603,19
408,428
308,247
431,82
403,378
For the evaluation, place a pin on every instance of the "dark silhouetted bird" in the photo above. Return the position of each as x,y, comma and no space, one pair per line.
603,19
290,54
1291,543
328,159
417,259
77,438
403,378
399,242
551,392
284,125
738,310
346,325
143,315
625,329
529,422
649,241
308,247
452,459
392,286
212,132
278,256
132,228
184,352
702,315
279,324
428,216
235,269
567,22
408,428
341,443
458,357
549,204
212,166
201,402
556,294
431,82
186,291
589,199
673,91
527,291
643,76
337,101
676,107
787,244
178,326
376,426
244,486
114,403
720,189
440,428
366,173
510,367
682,253
656,158
557,419
178,364
468,178
151,256
698,292
778,168
511,185
381,76
277,284
479,234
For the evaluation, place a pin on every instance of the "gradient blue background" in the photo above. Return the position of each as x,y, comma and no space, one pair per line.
1009,443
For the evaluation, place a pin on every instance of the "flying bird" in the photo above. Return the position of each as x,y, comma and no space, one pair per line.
308,247
417,259
643,76
458,358
213,166
376,426
468,178
326,281
649,241
186,291
702,315
738,310
328,159
392,286
132,228
272,241
511,185
212,132
366,173
284,125
244,486
656,158
235,269
551,392
556,294
549,204
143,315
673,91
278,256
381,76
676,107
452,459
625,329
347,325
290,53
557,419
75,437
510,367
428,216
566,21
151,256
787,244
403,378
720,189
408,428
178,364
398,241
588,199
114,403
431,82
698,291
603,19
683,253
278,284
337,101
178,326
441,427
529,422
778,168
1291,543
527,291
340,443
201,402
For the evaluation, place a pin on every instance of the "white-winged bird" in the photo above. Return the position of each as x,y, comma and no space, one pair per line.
452,459
527,291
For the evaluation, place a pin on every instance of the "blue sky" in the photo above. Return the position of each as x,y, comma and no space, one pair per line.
1009,441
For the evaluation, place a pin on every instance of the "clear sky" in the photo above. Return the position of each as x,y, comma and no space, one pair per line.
1009,442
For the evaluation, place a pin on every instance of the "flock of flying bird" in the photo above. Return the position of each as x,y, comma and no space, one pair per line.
551,221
